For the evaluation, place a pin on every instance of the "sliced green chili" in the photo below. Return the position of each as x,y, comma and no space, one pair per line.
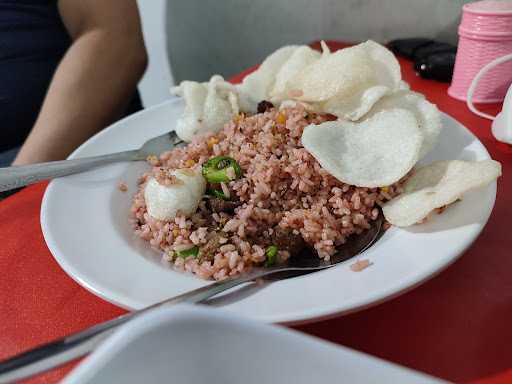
194,251
218,194
271,254
216,170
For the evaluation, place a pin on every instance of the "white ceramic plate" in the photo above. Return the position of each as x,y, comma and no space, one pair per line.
85,224
181,345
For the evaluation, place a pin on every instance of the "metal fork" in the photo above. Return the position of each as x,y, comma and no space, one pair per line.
21,175
68,348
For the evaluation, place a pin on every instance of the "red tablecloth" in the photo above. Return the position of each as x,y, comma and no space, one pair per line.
457,326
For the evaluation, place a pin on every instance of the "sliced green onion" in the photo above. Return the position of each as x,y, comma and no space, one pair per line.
219,169
271,254
218,194
194,251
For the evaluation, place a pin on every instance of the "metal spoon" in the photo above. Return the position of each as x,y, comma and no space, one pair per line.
68,348
21,175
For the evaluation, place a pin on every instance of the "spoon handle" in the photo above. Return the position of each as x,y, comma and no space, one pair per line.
68,348
21,175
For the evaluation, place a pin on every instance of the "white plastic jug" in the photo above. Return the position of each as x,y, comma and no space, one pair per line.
502,123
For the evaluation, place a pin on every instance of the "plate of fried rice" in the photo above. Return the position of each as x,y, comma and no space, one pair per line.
264,183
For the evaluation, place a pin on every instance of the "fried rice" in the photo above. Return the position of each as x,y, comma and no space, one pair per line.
283,188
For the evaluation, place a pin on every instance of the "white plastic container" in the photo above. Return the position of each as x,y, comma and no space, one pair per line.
188,344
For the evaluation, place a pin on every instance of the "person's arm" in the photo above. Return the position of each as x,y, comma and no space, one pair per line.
94,81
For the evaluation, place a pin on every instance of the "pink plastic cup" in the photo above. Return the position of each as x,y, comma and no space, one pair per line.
485,33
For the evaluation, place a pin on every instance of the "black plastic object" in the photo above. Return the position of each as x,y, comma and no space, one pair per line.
432,59
438,66
422,53
407,47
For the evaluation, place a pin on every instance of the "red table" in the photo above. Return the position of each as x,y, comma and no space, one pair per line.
457,326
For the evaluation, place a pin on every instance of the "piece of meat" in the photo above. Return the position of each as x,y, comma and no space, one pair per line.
286,240
219,205
330,117
207,252
264,106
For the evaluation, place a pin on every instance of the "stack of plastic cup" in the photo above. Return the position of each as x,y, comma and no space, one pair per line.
485,33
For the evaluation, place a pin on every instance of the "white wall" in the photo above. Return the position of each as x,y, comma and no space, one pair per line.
203,37
154,86
225,36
